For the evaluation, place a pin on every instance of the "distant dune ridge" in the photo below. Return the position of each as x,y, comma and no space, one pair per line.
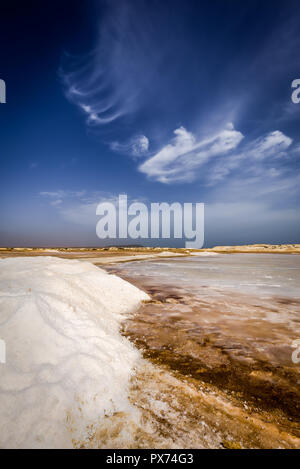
272,248
78,252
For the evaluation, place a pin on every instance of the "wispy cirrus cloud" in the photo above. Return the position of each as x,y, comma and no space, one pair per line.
274,144
136,146
180,160
76,207
113,81
79,207
262,156
142,79
62,194
211,159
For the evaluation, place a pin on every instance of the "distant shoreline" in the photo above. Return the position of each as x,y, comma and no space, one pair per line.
258,248
113,254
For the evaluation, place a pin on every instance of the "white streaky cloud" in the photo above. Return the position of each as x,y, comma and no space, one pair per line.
137,146
76,207
268,184
94,119
254,219
296,149
229,126
86,87
68,367
253,158
112,81
223,168
274,173
180,160
217,156
273,144
62,194
140,145
86,109
79,208
56,202
83,214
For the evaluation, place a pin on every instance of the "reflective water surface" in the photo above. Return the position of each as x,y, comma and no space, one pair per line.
227,321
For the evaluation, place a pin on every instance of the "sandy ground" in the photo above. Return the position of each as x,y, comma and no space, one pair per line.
111,255
259,248
96,256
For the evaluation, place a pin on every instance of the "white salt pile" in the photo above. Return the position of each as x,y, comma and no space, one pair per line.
204,254
169,254
67,366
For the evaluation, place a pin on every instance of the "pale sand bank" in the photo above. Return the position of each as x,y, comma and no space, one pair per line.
112,255
259,248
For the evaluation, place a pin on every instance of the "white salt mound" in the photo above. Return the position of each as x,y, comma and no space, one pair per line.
204,254
67,366
169,254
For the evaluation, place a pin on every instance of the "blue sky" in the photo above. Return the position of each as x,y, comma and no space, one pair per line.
166,101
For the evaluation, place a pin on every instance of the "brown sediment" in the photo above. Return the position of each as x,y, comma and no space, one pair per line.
259,386
198,341
185,413
263,386
177,412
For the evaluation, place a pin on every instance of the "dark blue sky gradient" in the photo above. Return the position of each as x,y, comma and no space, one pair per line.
200,66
